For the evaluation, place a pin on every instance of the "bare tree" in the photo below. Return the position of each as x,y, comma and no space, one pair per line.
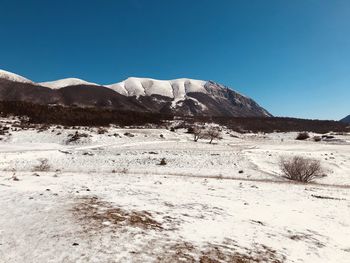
213,133
197,133
301,169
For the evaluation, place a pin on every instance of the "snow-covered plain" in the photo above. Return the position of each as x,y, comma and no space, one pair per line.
105,198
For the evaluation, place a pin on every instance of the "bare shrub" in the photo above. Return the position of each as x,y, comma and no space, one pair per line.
162,161
43,166
197,132
76,137
213,133
301,169
128,134
317,138
302,136
102,130
190,129
14,177
43,128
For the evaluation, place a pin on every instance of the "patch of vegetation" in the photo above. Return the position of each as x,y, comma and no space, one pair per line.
317,138
301,169
95,215
302,136
43,166
187,252
76,116
100,116
76,137
163,162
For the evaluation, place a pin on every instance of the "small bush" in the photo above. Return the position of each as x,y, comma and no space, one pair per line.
14,177
128,134
162,162
190,130
317,138
43,166
301,169
102,130
302,136
76,137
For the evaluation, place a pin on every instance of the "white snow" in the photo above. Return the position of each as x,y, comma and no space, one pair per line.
57,84
13,77
199,198
176,89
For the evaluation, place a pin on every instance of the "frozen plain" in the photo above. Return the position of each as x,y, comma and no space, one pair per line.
105,198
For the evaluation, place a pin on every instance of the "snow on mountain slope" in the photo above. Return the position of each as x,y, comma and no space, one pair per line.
178,96
175,89
13,77
57,84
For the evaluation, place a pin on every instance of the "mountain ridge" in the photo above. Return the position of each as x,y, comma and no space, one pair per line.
346,119
178,96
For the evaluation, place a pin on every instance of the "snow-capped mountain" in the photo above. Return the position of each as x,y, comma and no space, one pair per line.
176,89
179,96
57,84
13,77
346,119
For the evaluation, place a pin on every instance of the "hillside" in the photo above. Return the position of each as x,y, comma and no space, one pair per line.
346,119
174,97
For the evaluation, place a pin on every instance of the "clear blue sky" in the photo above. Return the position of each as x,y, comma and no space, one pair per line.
291,56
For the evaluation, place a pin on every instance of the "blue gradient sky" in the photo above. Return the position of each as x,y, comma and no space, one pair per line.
291,56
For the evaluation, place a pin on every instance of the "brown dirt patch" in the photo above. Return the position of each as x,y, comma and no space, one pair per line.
187,252
95,214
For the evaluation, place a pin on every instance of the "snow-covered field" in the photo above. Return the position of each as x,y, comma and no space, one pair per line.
106,198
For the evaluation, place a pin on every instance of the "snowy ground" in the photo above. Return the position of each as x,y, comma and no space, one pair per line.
105,198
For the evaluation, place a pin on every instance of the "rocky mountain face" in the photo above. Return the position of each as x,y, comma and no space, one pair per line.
180,96
346,119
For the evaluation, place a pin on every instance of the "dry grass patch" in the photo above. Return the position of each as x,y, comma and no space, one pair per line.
218,253
96,215
308,238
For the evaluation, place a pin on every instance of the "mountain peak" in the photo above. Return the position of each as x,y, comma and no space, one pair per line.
346,119
13,77
61,83
175,89
182,96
